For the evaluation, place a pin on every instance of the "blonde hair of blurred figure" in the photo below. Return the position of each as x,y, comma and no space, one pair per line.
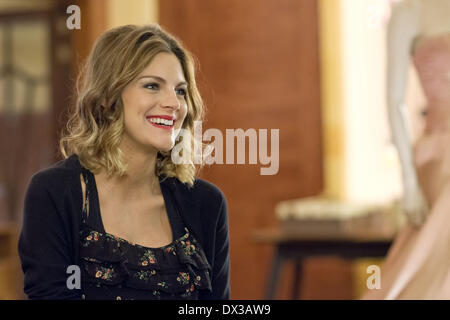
96,124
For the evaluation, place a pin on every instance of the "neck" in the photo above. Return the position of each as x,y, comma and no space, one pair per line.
140,179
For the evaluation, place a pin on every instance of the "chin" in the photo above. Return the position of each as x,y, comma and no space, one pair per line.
164,144
165,148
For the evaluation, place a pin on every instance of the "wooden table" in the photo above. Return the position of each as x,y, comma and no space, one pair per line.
349,244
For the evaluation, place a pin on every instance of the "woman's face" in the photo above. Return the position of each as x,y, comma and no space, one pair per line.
155,104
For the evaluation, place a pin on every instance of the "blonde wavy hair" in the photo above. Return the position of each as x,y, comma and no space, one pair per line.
96,124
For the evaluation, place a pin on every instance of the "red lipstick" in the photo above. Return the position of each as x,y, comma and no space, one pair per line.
161,126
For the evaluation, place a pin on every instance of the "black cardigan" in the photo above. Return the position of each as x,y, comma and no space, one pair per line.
49,240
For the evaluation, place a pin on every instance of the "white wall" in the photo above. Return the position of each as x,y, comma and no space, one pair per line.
371,162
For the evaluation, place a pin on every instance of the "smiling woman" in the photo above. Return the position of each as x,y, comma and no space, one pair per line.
136,224
142,99
155,69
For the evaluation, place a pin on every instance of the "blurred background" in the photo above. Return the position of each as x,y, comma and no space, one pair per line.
314,69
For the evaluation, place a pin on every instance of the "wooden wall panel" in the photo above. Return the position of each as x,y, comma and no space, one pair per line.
259,68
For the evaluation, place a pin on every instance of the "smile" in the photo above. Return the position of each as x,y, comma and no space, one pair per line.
161,123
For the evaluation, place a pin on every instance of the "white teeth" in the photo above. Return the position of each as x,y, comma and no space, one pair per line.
162,121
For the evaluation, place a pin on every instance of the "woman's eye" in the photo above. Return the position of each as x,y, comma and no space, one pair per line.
153,86
182,92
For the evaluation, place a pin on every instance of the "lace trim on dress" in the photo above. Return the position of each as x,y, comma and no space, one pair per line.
180,267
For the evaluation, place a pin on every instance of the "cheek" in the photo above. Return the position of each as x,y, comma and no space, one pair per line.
131,107
129,120
182,116
183,112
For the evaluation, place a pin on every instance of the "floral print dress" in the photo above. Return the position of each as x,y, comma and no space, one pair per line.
113,268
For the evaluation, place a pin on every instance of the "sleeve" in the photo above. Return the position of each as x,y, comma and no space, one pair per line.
221,269
44,248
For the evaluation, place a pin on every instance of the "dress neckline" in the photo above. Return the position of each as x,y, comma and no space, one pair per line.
136,245
94,208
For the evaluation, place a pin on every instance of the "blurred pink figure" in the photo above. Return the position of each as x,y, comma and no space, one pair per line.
418,264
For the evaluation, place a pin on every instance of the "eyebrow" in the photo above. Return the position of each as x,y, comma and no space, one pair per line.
161,79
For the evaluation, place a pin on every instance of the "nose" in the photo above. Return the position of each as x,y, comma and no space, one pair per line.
170,100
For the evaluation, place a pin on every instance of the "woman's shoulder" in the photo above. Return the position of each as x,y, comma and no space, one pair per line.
58,175
207,188
202,195
201,189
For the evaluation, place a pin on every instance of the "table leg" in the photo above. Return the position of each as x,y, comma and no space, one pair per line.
297,279
274,275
